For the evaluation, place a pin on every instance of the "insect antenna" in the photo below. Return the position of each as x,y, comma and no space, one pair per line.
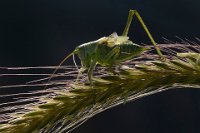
56,69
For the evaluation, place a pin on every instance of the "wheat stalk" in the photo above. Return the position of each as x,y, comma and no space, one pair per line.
143,76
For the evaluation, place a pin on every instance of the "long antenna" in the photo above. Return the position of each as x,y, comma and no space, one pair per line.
72,53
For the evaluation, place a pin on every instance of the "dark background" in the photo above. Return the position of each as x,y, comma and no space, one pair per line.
43,32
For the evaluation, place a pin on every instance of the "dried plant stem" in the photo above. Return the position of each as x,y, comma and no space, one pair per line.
69,108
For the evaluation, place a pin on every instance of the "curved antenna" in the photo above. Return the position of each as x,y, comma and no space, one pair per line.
125,33
52,75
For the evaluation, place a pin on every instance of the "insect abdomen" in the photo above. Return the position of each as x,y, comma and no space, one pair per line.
128,51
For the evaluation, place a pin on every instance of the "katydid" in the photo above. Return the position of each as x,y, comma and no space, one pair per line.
110,50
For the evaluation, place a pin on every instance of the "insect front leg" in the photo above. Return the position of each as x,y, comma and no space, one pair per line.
80,71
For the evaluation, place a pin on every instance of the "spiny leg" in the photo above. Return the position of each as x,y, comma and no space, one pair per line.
91,69
125,33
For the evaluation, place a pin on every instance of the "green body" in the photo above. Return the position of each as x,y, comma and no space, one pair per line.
107,56
93,53
112,50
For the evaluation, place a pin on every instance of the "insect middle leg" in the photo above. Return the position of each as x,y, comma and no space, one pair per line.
91,69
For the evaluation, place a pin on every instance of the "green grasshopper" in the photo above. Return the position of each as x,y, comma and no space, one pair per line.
111,50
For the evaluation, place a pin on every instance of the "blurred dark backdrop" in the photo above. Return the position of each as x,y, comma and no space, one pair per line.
43,32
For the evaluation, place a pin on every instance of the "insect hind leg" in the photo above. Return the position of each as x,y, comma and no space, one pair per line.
125,33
